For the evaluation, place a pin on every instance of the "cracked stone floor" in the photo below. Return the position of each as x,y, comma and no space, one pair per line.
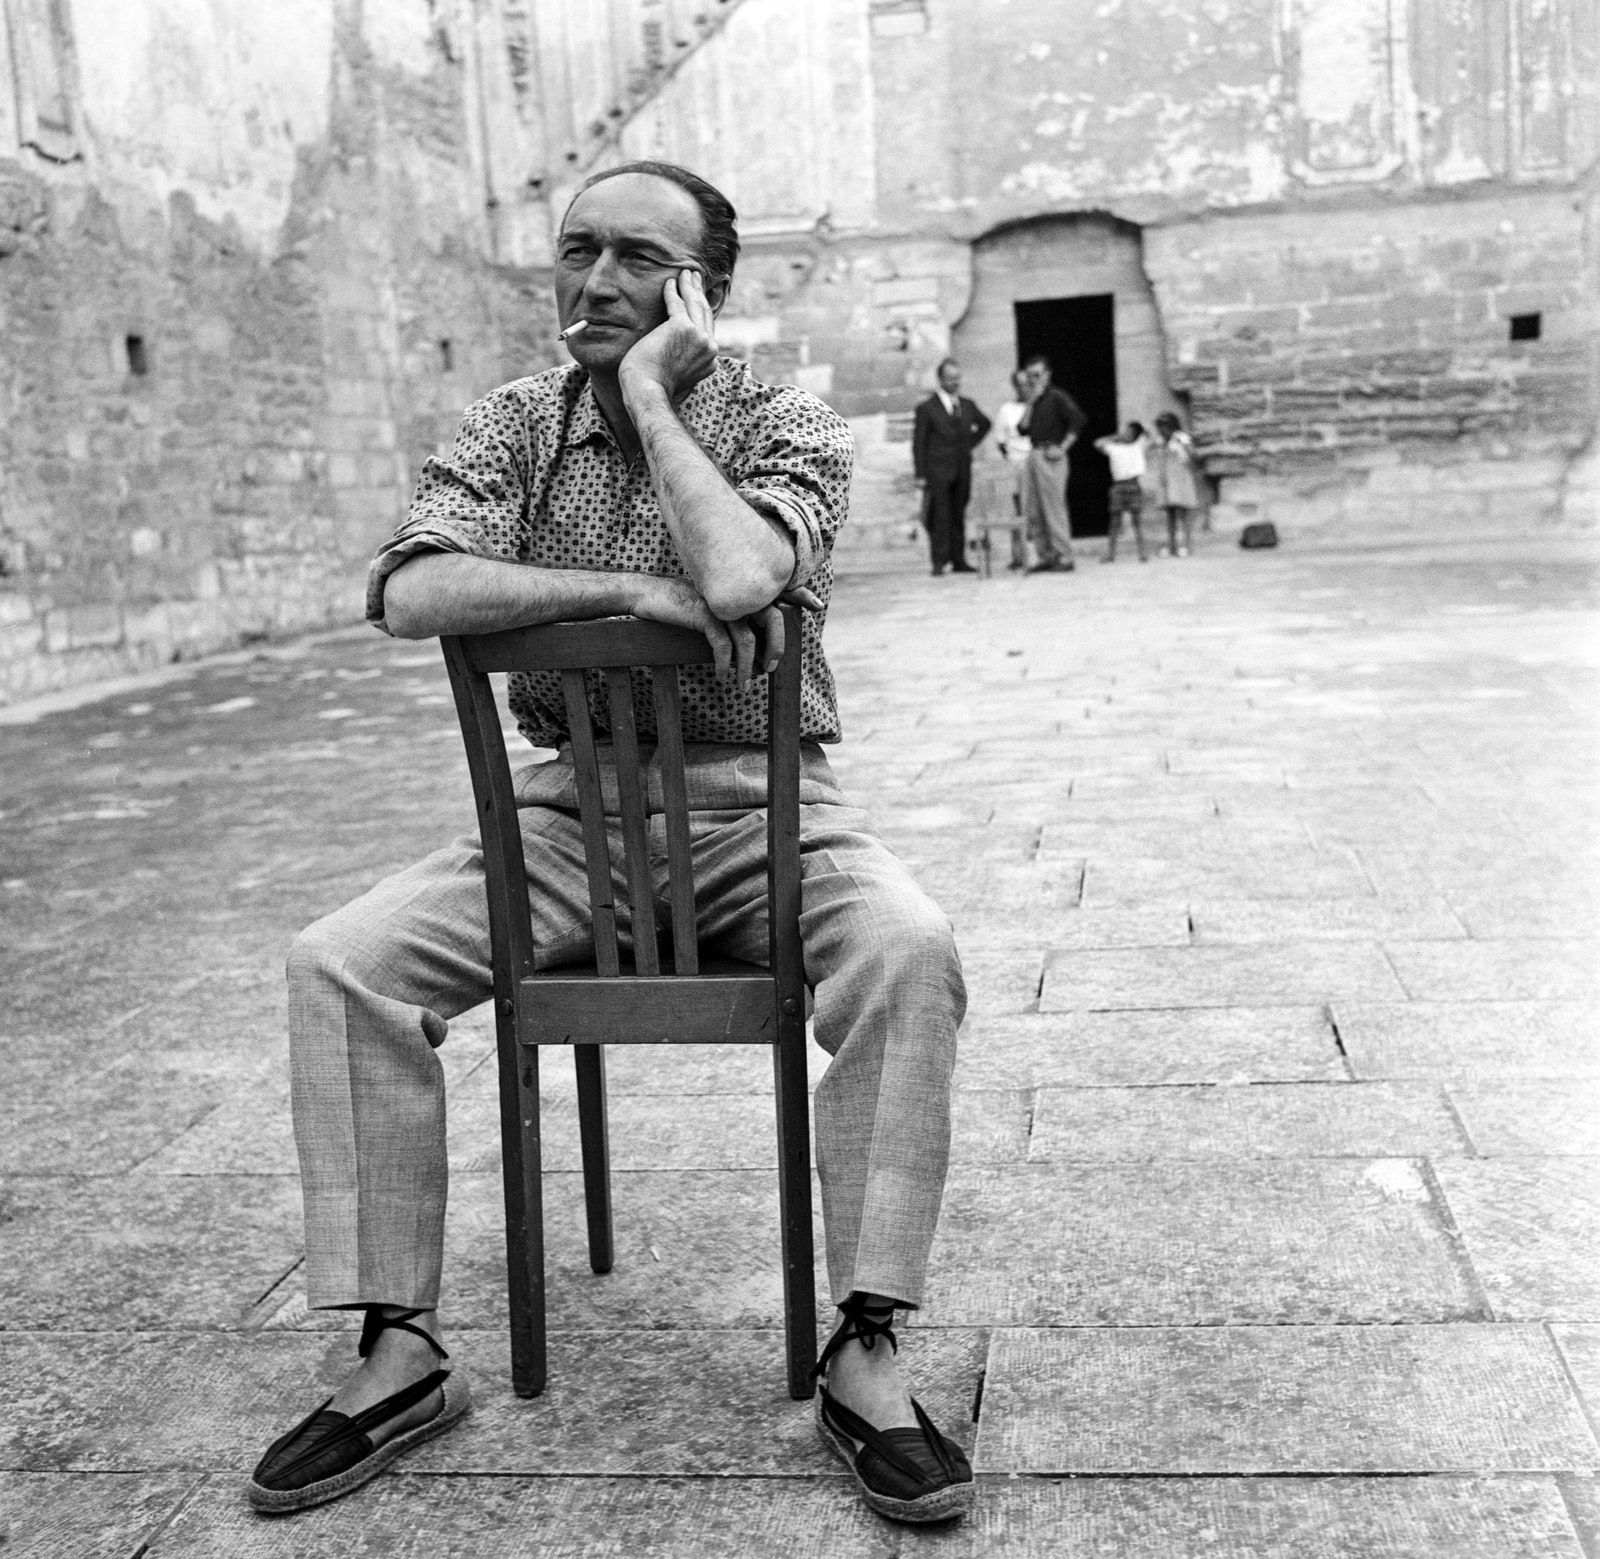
1273,1221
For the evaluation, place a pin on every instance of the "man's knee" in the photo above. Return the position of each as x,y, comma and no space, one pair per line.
349,946
318,953
918,948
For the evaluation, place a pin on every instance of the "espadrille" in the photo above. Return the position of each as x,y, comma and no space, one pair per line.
328,1454
914,1475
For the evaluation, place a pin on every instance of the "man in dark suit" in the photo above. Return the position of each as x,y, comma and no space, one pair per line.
948,427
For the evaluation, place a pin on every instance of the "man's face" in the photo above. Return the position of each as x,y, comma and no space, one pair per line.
621,242
1038,378
949,378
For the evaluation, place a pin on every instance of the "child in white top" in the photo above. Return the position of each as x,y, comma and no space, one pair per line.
1014,445
1125,451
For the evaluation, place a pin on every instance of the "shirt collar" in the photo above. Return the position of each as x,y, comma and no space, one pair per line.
588,421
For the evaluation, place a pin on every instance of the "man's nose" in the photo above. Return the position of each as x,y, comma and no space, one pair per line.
603,283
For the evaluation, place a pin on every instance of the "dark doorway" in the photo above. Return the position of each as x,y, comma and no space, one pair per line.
1077,336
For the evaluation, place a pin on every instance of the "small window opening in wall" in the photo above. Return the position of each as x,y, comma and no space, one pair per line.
447,357
138,357
1525,327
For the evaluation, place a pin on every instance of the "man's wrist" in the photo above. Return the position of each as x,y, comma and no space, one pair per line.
641,393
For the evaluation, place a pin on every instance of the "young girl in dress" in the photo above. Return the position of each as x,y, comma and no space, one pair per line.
1172,467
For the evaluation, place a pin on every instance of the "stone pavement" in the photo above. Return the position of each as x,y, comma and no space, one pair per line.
1273,1224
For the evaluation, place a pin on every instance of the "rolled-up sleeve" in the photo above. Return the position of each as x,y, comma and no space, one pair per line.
474,500
795,469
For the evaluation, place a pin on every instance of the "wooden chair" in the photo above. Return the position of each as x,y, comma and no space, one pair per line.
685,997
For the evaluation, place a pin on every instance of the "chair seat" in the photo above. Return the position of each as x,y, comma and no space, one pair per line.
728,1002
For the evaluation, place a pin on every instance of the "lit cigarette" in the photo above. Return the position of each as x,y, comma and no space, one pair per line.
573,329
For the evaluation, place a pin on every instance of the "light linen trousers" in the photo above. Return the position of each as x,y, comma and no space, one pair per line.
373,986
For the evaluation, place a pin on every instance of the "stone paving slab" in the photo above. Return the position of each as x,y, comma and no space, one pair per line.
144,1250
1470,1039
84,1516
1281,1399
1303,974
1512,1116
1002,981
1203,1243
694,1249
1581,1494
61,1116
1580,1347
681,1402
700,1131
1283,1121
1258,874
1149,1048
1293,920
405,1515
1530,968
1531,1228
1158,926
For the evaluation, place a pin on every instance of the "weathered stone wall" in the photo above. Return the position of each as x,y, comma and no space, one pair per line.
1321,347
1341,202
242,298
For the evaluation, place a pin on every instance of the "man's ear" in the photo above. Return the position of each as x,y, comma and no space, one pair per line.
717,295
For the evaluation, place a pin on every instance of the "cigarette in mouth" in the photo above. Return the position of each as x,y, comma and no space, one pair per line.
573,329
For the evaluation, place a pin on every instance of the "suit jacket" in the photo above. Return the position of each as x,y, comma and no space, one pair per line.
942,445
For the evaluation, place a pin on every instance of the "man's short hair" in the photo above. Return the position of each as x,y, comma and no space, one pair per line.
948,362
1039,360
719,234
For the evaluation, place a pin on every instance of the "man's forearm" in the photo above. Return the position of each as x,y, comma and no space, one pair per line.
452,592
737,557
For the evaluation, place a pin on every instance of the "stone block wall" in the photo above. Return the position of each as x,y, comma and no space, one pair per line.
211,421
1324,350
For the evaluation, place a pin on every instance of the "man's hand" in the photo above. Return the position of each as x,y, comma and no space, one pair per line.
738,648
682,349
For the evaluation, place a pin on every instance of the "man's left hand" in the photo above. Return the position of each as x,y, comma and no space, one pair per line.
682,349
758,640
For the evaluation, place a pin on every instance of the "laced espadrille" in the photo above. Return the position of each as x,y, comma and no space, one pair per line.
328,1454
914,1475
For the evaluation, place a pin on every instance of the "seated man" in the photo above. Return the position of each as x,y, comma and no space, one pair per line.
657,479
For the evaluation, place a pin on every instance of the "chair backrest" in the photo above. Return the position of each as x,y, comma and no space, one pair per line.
616,646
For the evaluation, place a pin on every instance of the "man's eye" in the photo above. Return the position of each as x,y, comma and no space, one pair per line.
642,262
572,254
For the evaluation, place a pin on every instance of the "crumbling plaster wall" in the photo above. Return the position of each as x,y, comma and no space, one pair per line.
286,206
1351,158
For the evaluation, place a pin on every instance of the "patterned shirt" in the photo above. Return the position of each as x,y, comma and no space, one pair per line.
536,476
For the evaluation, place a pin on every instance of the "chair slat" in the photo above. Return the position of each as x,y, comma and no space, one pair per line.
635,829
655,1009
592,813
675,795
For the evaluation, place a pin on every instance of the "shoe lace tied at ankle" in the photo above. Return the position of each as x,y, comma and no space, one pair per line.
864,1322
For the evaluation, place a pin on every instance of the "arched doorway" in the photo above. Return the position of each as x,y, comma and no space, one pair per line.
1074,289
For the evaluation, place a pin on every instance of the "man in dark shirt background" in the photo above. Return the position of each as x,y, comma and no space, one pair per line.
1052,423
948,427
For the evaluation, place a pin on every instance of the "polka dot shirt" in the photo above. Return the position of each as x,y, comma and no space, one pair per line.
536,477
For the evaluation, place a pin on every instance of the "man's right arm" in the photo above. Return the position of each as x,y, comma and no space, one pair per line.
919,443
435,593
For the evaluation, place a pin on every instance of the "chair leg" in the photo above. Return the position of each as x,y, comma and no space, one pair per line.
794,1198
590,1061
519,1102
